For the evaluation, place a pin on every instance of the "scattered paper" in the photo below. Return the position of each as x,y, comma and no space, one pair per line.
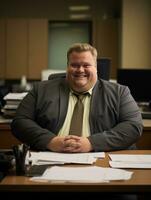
91,174
118,164
61,158
130,161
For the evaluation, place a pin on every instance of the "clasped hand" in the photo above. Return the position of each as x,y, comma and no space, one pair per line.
70,144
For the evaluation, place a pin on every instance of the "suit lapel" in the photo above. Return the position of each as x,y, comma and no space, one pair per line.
97,105
63,103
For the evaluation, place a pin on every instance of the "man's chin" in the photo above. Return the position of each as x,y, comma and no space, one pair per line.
80,84
80,87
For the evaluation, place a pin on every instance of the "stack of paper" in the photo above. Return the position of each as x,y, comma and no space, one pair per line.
15,96
12,102
90,174
130,161
38,158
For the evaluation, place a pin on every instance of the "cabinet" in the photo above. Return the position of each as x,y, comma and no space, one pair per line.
2,47
16,48
23,47
105,37
38,47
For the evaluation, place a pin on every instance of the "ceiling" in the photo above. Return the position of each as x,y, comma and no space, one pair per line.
59,9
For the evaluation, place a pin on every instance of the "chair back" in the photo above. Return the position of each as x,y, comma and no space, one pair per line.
57,76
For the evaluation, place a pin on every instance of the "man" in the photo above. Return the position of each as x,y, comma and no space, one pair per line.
111,118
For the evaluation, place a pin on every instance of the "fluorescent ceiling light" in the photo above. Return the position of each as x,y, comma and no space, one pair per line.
80,16
79,8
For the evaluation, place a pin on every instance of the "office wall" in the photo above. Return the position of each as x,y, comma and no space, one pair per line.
136,34
104,14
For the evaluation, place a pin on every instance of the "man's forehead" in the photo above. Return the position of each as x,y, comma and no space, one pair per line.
83,54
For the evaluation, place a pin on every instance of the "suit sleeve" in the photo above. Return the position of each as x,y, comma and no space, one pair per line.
128,128
24,126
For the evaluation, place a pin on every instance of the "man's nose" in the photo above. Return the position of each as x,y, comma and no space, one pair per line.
81,68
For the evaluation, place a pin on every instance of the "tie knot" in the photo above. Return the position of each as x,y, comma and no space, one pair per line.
81,96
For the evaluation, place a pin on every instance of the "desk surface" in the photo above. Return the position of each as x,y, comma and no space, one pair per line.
147,124
140,181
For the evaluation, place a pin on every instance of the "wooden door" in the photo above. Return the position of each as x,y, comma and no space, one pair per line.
2,48
38,47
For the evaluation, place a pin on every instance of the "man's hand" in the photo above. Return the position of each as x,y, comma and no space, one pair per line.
75,144
56,144
70,144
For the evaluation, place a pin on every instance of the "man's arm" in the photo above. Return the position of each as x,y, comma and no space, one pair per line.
127,130
25,127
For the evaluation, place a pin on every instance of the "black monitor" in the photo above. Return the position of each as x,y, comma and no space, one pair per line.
104,68
138,81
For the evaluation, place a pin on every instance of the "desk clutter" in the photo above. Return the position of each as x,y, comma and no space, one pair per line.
20,152
6,157
12,102
76,167
145,108
130,161
87,174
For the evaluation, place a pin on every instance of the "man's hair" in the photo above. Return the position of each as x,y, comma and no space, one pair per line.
82,47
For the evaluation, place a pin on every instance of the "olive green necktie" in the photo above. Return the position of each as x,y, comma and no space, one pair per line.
77,117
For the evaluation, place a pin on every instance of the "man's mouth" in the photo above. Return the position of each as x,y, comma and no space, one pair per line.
80,75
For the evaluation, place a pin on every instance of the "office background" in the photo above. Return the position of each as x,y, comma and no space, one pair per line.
120,31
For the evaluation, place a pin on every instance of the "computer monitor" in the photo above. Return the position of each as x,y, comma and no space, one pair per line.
138,81
103,68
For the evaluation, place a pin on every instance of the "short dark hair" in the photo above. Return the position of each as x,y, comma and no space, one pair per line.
81,47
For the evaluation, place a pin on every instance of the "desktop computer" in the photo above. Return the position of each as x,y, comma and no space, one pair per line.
139,83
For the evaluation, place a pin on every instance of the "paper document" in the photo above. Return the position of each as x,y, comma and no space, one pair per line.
4,120
60,158
130,161
15,96
92,174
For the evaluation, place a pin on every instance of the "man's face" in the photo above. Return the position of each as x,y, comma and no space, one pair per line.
81,71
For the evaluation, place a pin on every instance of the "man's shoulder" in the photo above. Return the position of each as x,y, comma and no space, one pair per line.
109,85
49,83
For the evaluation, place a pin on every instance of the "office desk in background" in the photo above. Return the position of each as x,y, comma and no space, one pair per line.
140,183
145,140
7,140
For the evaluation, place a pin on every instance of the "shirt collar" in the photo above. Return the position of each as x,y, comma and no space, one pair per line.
89,91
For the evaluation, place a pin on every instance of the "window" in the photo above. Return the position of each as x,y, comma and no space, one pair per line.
61,36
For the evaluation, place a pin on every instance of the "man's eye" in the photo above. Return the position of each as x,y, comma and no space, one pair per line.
75,65
80,65
86,66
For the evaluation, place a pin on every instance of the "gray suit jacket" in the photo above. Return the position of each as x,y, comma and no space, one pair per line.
115,119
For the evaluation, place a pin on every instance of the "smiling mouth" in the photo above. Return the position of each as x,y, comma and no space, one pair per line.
80,76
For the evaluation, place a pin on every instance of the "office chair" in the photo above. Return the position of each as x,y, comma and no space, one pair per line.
57,76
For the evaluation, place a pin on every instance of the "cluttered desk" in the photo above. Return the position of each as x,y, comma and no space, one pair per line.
133,179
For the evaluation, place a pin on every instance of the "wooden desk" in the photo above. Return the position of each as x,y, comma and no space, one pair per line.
7,139
145,140
139,183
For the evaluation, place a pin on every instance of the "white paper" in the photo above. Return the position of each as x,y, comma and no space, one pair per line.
130,161
79,158
131,157
15,96
118,164
84,174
